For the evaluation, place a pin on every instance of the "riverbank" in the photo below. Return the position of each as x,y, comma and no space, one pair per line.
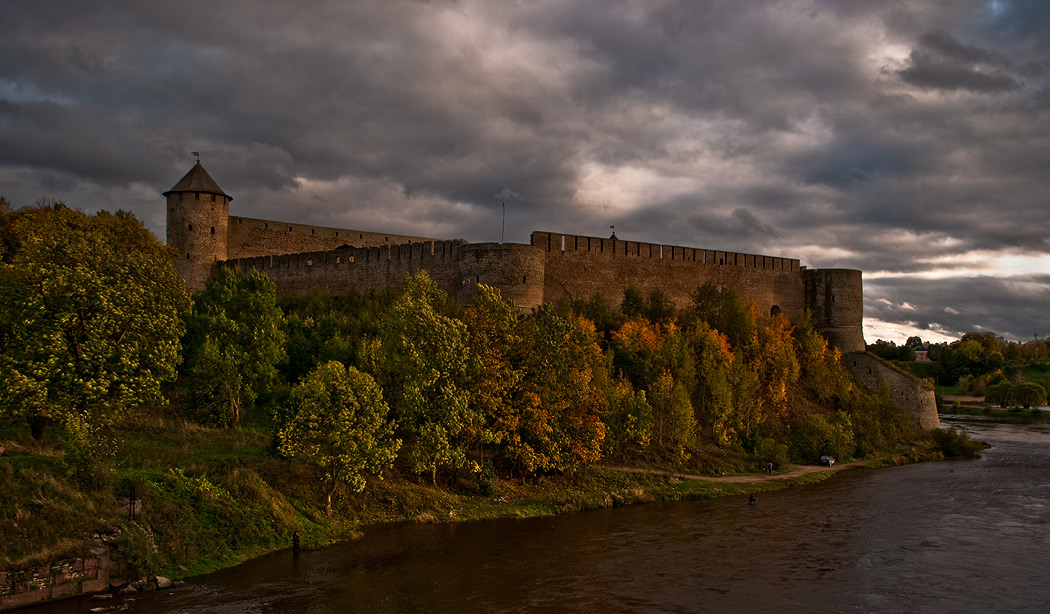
203,499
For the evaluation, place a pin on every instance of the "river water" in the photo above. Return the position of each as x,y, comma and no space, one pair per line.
960,536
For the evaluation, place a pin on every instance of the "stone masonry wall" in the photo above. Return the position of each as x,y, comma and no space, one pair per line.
197,229
455,266
577,267
364,269
250,237
64,579
906,393
836,299
516,269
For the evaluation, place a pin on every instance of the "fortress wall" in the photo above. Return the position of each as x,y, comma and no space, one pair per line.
365,268
836,298
255,237
579,266
905,392
516,269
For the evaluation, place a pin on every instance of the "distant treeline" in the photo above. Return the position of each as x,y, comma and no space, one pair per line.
982,364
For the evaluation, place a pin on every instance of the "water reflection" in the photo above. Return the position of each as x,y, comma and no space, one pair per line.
967,536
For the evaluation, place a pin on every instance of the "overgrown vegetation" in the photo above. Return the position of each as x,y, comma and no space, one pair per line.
1004,373
954,443
285,414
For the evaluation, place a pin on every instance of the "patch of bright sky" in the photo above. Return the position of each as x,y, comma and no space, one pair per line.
899,332
821,256
976,264
627,188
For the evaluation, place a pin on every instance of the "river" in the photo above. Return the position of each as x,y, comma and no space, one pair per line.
960,536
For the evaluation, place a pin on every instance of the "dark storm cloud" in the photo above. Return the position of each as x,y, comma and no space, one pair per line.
1014,306
942,62
898,138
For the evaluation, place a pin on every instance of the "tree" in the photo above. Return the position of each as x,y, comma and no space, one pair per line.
713,396
821,370
563,400
339,423
495,350
424,369
629,421
999,394
723,310
90,318
774,359
673,414
234,342
1028,394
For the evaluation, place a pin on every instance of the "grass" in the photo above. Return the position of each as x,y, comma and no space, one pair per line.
213,497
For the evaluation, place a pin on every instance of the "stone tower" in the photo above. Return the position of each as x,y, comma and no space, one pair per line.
198,214
836,299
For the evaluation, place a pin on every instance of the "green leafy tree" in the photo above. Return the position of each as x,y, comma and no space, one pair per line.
999,394
234,342
821,374
1028,394
723,310
597,310
90,319
629,421
713,396
673,414
91,311
564,402
339,423
495,370
424,368
633,303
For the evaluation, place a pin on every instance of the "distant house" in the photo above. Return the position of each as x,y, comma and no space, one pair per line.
921,354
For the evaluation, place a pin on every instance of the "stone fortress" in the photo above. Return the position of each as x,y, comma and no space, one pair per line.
298,257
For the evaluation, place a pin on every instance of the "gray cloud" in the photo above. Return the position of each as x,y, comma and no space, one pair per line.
898,138
942,62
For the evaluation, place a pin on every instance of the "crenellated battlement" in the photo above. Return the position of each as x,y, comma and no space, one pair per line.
554,242
347,255
553,266
258,237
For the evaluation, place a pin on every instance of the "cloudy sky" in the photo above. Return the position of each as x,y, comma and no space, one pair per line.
909,139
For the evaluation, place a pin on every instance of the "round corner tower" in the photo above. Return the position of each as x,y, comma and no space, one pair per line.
517,270
198,216
835,297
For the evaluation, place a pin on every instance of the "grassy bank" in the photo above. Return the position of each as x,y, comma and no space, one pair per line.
213,497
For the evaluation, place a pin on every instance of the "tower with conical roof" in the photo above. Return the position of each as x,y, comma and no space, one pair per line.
198,215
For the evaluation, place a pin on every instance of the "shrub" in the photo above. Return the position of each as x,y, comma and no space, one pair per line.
955,443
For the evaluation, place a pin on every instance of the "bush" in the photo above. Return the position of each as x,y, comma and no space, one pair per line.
955,443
